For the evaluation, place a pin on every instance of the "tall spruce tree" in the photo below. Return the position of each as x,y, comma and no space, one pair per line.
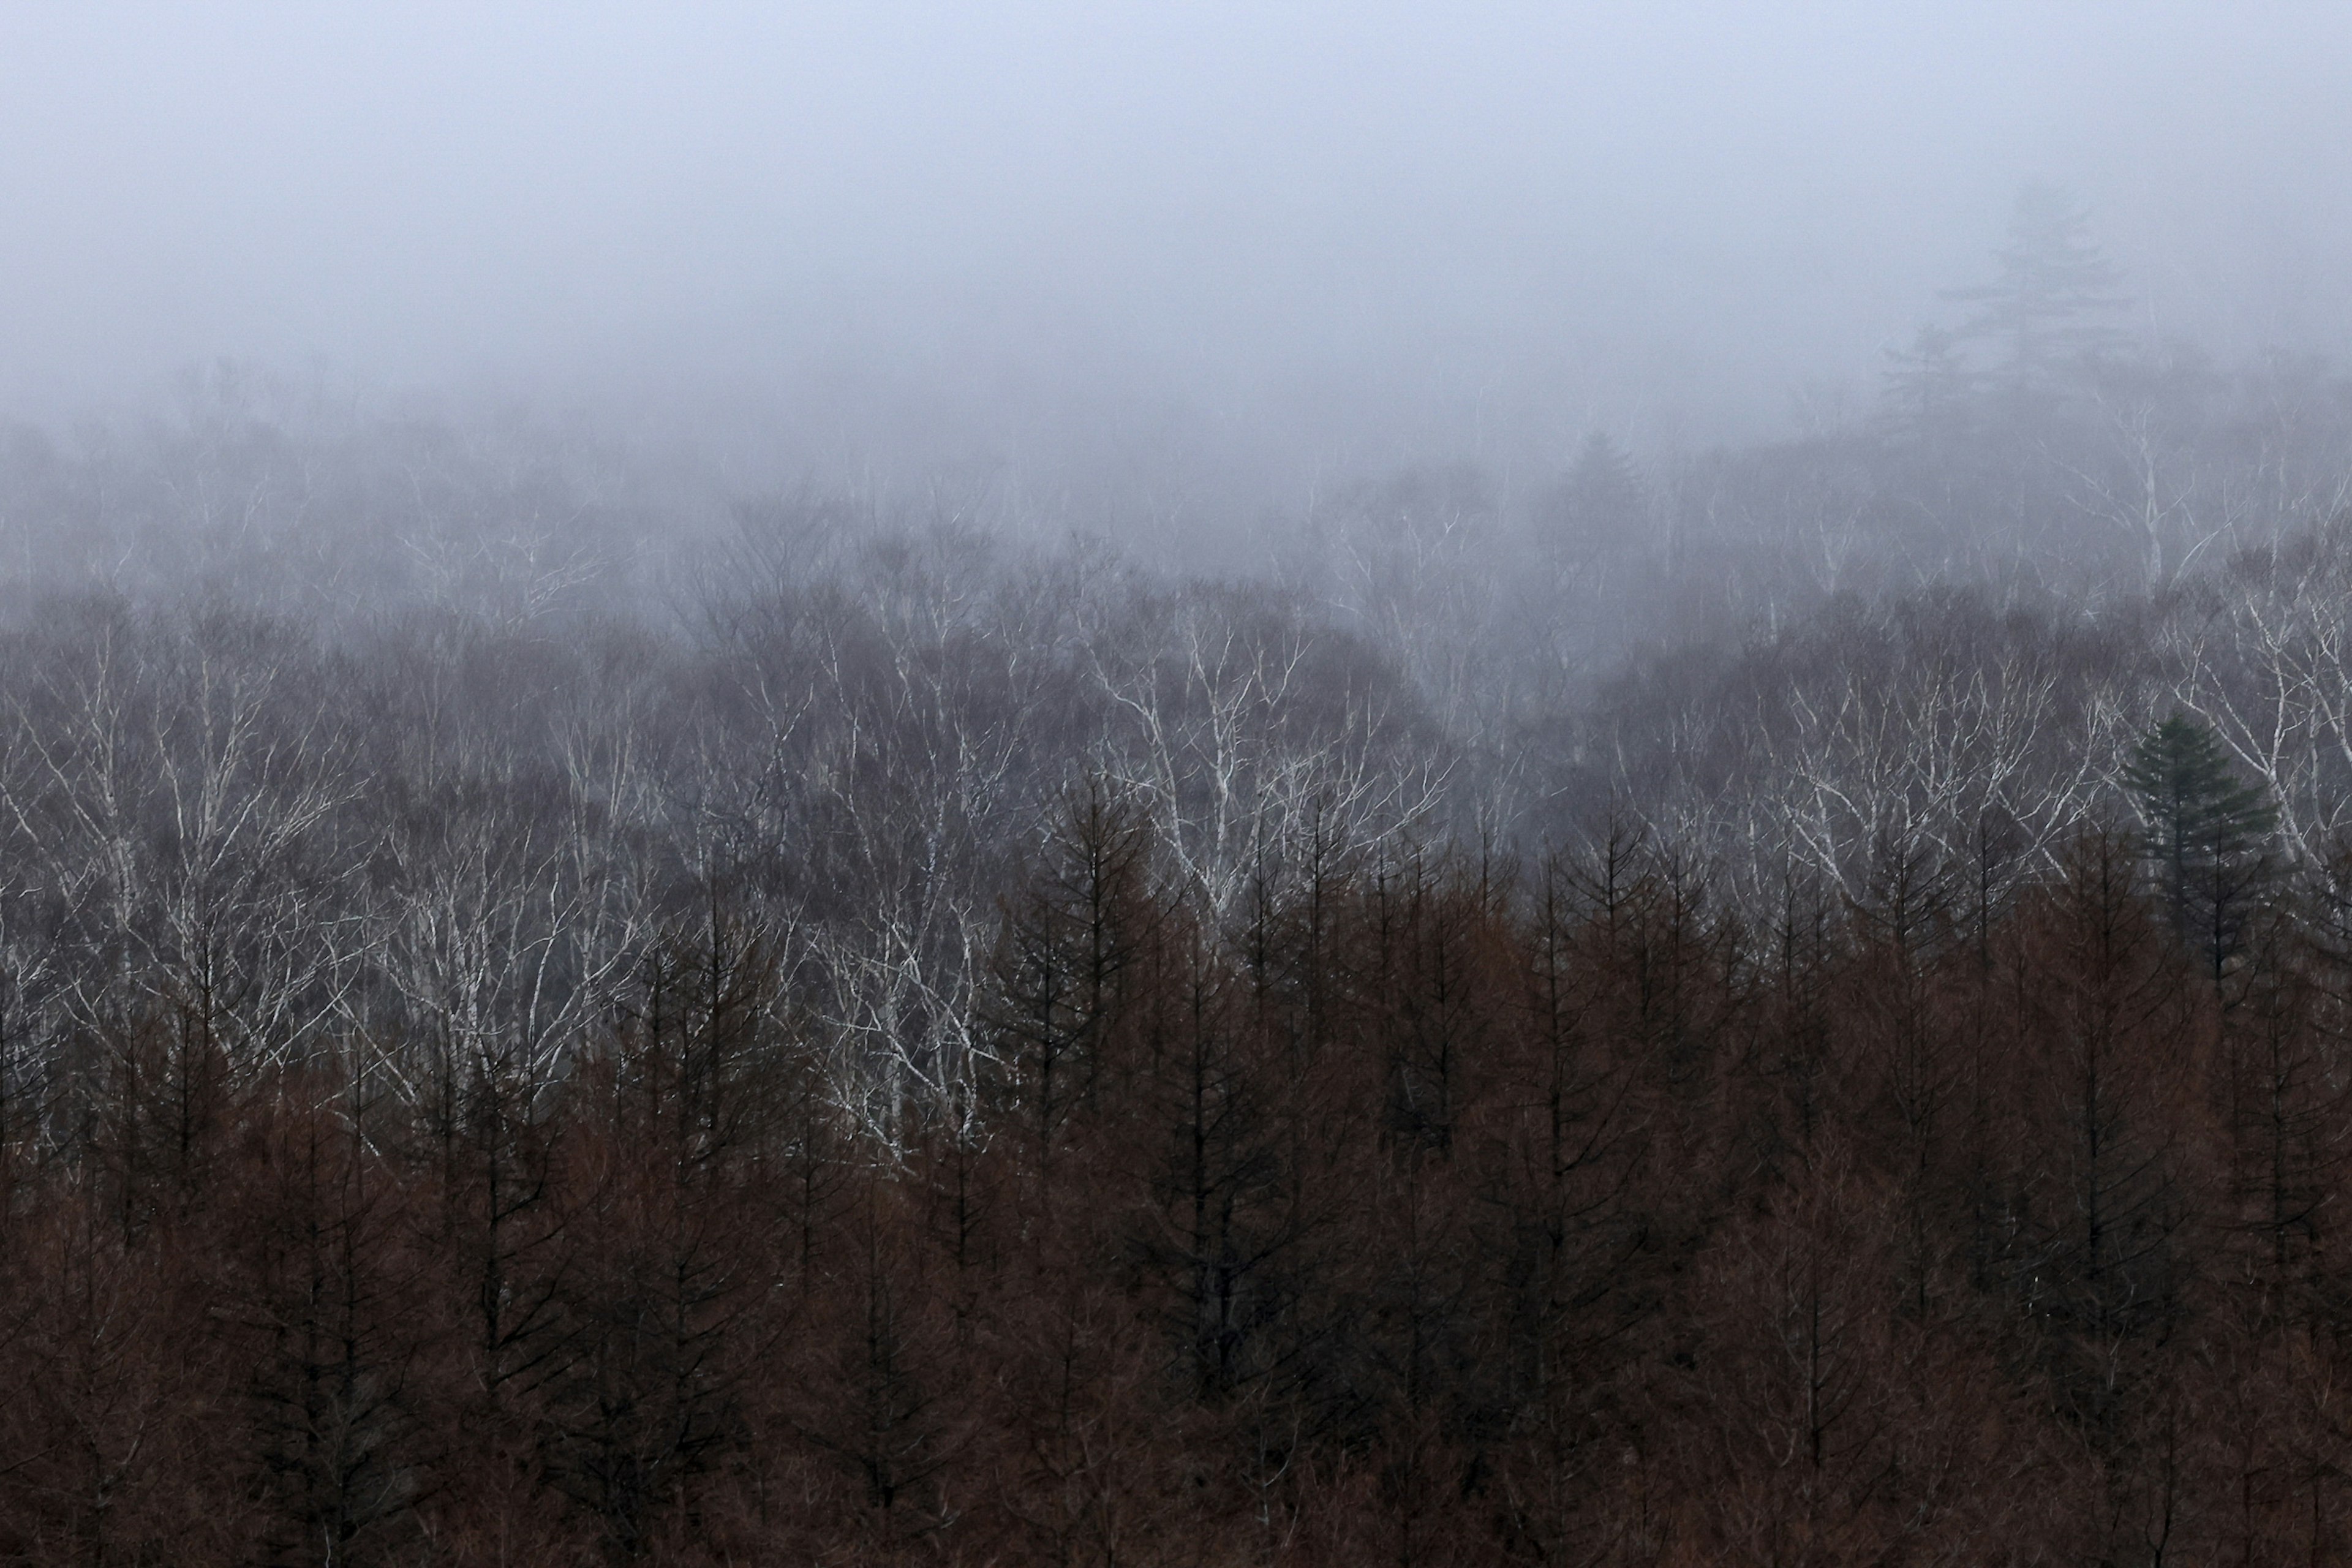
1599,506
2207,830
2045,312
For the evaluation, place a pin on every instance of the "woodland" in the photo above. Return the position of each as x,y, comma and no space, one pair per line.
1791,1005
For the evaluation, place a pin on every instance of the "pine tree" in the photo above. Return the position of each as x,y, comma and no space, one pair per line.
1599,505
1928,386
2207,831
2054,285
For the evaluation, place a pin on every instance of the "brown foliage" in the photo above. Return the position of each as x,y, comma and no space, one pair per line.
1418,1213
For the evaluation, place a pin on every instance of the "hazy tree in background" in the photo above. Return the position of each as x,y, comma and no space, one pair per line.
1600,504
2042,311
2208,833
1928,385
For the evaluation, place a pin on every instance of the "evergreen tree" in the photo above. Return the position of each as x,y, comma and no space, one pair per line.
2043,308
1599,505
1926,387
2207,832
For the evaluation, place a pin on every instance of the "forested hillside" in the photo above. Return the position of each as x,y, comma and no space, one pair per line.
1792,1005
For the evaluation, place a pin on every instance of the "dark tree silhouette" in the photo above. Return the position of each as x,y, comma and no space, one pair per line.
2207,834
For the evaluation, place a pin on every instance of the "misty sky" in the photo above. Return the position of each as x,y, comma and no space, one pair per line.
1374,226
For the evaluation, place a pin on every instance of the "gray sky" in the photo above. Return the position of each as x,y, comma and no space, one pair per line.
903,232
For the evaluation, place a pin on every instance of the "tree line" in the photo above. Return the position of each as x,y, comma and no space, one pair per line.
1424,1207
1789,1009
977,1055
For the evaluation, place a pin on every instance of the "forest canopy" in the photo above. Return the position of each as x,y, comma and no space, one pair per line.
1786,1004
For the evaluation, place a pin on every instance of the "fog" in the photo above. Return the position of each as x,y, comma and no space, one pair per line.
1073,782
1242,248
